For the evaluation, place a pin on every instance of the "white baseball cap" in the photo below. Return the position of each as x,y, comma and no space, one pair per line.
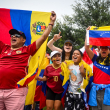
54,52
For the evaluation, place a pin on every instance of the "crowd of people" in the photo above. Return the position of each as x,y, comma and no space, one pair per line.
67,66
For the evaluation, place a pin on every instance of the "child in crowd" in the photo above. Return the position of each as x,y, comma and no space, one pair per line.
78,71
54,83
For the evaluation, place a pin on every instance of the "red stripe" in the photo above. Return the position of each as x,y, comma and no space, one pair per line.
38,93
5,25
99,41
100,77
86,58
28,80
42,100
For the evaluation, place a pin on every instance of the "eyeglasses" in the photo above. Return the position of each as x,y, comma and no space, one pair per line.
16,35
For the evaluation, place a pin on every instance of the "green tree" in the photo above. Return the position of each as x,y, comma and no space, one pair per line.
67,32
85,13
91,13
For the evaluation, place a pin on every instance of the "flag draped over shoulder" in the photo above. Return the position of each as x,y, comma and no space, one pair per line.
65,73
99,36
33,24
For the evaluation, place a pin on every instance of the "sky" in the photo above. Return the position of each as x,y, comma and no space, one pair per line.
61,7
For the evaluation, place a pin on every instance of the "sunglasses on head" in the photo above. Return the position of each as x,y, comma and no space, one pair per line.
16,35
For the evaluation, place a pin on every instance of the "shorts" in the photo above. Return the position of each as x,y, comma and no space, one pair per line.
74,101
53,96
13,99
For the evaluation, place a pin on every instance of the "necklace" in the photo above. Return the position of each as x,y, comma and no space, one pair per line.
56,67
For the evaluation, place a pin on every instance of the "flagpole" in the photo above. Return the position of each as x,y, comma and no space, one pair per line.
87,34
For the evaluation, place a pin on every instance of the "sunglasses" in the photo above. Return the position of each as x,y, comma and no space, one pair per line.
68,44
16,35
104,47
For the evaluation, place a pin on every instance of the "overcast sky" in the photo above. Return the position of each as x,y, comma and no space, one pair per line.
61,7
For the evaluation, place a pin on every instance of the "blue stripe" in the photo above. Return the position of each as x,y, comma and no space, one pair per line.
99,34
88,87
65,88
21,21
104,68
41,75
35,72
61,77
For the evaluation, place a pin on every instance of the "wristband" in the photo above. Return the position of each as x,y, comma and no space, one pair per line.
54,40
51,24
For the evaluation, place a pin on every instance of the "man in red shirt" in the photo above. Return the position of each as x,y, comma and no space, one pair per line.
13,63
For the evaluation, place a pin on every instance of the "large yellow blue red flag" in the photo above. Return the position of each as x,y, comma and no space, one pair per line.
99,36
33,24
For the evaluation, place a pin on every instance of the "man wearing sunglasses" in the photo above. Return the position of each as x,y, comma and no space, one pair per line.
13,63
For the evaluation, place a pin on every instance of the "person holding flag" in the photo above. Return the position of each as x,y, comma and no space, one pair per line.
54,83
13,63
99,97
75,81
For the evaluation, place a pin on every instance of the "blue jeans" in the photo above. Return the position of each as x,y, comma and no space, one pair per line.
27,107
37,106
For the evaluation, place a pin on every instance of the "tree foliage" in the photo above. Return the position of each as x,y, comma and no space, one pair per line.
85,13
67,32
91,13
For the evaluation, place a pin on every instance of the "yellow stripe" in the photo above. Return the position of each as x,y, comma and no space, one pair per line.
104,28
42,19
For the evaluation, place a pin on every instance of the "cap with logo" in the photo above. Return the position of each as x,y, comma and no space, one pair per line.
14,31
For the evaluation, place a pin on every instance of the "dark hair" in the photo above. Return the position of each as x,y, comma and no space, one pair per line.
63,54
107,61
79,52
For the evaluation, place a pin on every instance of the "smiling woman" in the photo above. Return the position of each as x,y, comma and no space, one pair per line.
67,50
54,83
74,95
77,56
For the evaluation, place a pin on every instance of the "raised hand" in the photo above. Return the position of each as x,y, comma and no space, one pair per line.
88,28
57,36
52,17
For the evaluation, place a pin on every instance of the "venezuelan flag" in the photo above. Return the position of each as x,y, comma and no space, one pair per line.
33,24
40,93
64,75
37,92
99,36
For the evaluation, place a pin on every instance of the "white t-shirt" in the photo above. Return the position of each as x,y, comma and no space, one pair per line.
74,86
